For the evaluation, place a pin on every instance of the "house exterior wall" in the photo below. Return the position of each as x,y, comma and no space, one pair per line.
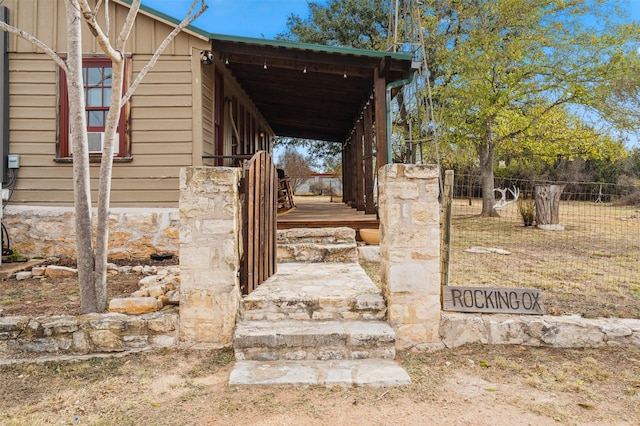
162,114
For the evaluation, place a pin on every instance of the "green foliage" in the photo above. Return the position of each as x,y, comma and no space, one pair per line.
349,23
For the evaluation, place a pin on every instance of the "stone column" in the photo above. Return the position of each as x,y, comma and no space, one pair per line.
210,238
410,252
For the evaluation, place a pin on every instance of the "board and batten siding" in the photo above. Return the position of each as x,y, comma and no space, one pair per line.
162,110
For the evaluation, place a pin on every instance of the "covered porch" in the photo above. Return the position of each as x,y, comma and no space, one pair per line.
320,212
325,93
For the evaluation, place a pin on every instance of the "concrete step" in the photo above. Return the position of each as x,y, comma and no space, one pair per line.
346,373
317,245
313,340
317,291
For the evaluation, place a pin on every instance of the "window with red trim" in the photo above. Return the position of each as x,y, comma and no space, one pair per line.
96,75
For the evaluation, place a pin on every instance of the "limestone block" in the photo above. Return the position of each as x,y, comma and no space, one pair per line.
54,271
173,297
409,335
156,290
11,327
162,341
38,271
58,325
81,341
573,333
424,213
23,275
133,305
402,190
421,171
459,329
106,341
369,254
195,257
218,226
163,323
136,342
413,278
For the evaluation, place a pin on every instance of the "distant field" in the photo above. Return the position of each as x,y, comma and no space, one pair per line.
592,267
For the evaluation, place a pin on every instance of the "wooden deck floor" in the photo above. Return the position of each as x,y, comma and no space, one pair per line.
320,213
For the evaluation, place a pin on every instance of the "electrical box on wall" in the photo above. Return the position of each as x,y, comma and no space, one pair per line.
13,161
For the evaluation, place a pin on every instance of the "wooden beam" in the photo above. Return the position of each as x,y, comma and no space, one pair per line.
369,206
359,167
379,88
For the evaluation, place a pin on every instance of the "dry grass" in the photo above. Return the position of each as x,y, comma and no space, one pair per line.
468,385
591,268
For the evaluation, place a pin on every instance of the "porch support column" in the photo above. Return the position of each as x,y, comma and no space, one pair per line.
345,182
410,252
352,171
359,166
369,207
210,233
379,86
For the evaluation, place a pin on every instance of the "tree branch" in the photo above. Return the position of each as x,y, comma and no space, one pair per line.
189,18
128,25
33,40
89,17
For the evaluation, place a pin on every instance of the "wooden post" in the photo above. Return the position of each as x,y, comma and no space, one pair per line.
369,207
548,206
345,181
445,246
359,168
379,88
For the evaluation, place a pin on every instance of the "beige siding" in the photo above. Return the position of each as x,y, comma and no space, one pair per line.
207,113
161,111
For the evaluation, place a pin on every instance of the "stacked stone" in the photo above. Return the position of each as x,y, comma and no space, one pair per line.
156,291
410,251
159,288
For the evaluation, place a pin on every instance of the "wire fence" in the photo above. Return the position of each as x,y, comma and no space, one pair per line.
589,265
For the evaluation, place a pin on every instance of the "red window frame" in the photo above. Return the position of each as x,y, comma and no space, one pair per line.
97,94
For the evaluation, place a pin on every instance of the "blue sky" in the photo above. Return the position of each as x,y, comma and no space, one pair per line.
249,18
261,18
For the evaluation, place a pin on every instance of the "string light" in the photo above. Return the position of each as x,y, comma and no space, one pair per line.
304,71
345,73
265,63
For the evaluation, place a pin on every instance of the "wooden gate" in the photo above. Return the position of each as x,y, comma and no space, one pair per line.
260,221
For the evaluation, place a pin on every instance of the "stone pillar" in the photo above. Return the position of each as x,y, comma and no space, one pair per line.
410,252
210,238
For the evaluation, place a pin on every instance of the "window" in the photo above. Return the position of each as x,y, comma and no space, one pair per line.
96,75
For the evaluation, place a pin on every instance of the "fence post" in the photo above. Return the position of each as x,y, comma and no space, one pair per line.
445,247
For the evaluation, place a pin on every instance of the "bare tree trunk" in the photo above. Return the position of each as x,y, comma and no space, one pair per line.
81,182
485,152
104,191
548,205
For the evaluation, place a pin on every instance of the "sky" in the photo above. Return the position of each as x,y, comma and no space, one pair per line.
248,18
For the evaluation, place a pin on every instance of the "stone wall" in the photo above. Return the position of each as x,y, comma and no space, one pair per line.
410,252
86,334
134,233
317,245
539,330
210,244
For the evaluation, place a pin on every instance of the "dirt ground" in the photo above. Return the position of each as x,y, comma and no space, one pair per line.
471,385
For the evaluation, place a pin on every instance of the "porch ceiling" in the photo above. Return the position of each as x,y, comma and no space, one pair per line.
317,104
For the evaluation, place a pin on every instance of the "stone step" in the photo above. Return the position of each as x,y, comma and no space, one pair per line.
316,291
317,245
345,373
313,340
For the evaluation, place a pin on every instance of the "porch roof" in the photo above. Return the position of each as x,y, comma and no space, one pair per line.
305,90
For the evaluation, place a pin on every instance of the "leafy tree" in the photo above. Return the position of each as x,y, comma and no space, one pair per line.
506,75
360,24
92,261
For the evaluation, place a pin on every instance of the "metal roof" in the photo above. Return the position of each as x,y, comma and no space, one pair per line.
307,91
302,90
